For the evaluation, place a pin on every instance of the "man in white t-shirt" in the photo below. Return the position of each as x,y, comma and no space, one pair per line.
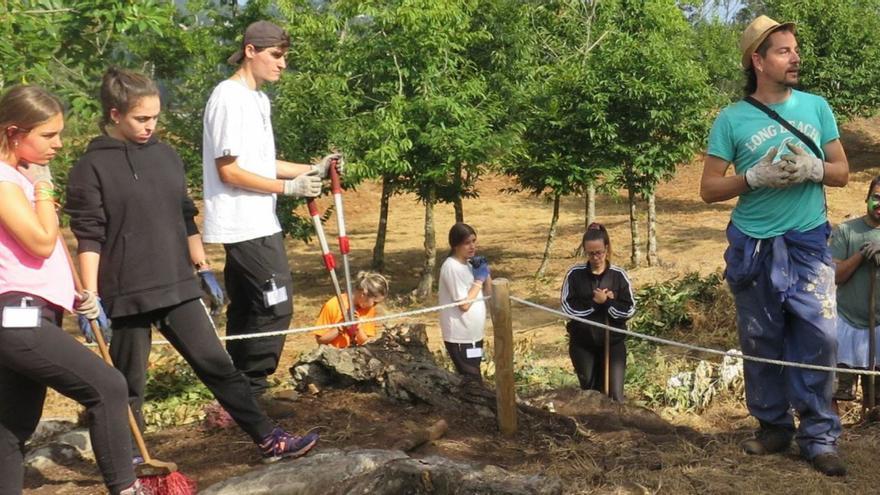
241,180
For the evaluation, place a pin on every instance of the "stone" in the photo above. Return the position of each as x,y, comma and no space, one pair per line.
78,439
382,472
52,455
48,428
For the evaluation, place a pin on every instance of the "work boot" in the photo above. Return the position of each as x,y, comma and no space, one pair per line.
767,441
829,464
278,406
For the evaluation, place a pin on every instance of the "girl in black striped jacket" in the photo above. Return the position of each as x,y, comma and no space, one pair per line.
599,292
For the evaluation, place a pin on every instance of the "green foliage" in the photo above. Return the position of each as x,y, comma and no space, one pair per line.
716,45
658,97
66,46
672,305
840,50
173,394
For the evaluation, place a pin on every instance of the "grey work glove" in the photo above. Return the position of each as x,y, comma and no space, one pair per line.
323,167
88,305
802,165
871,251
307,185
36,173
765,173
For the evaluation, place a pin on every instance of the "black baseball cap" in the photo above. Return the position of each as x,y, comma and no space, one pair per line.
261,34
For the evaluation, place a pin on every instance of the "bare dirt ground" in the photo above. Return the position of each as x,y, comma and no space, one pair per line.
512,229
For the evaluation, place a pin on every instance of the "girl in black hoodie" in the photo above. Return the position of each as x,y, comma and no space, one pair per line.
138,246
600,292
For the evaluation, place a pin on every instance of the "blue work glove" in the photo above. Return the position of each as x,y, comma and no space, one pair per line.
89,307
212,287
480,267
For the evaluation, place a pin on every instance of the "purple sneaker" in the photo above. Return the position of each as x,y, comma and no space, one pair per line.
279,445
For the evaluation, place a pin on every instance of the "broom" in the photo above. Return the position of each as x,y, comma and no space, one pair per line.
160,477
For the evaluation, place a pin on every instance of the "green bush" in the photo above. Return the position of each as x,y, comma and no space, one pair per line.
174,395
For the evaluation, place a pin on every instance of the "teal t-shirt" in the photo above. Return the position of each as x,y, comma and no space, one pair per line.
852,296
742,134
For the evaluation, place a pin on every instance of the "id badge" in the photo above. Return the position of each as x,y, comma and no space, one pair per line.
273,294
22,316
473,352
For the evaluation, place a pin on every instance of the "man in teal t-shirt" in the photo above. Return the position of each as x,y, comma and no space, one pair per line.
778,263
855,245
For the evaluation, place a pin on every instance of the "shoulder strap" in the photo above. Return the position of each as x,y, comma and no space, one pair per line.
775,116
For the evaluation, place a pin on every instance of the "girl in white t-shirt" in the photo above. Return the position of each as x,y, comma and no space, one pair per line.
464,277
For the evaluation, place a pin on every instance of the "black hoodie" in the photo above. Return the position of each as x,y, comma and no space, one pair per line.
128,202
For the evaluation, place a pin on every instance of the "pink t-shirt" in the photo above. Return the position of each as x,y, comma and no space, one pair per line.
20,271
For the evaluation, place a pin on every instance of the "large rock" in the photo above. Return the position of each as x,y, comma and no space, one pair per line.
381,472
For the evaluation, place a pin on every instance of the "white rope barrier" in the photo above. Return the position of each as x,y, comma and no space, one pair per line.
660,340
315,328
650,338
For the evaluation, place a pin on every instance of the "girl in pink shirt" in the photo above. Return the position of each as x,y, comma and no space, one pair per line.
36,287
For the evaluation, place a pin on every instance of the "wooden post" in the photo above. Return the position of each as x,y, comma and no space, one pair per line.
505,393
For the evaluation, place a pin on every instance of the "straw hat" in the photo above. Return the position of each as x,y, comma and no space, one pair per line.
755,34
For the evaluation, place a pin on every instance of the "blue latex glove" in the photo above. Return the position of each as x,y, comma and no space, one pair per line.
212,287
103,322
481,268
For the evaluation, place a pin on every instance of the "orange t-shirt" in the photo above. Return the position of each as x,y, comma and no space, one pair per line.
331,313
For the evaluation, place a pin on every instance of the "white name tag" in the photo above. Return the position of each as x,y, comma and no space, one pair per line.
474,352
21,317
274,296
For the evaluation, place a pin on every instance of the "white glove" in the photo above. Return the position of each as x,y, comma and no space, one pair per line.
307,185
36,173
765,173
323,167
88,305
802,165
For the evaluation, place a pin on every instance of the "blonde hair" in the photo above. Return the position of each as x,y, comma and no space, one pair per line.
22,108
372,283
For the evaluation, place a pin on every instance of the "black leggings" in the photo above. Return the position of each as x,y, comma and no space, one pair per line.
588,360
32,359
189,329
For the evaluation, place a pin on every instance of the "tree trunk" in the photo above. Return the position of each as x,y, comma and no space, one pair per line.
456,203
634,228
378,263
550,236
652,230
590,206
426,282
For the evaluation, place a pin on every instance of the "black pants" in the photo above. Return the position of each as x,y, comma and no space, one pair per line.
588,359
250,265
32,359
189,329
469,367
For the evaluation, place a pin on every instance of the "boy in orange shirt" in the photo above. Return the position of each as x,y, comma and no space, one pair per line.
369,291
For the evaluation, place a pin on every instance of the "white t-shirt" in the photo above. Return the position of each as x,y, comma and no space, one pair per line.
238,123
459,326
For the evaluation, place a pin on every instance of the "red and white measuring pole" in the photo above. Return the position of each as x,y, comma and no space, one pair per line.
344,248
329,261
